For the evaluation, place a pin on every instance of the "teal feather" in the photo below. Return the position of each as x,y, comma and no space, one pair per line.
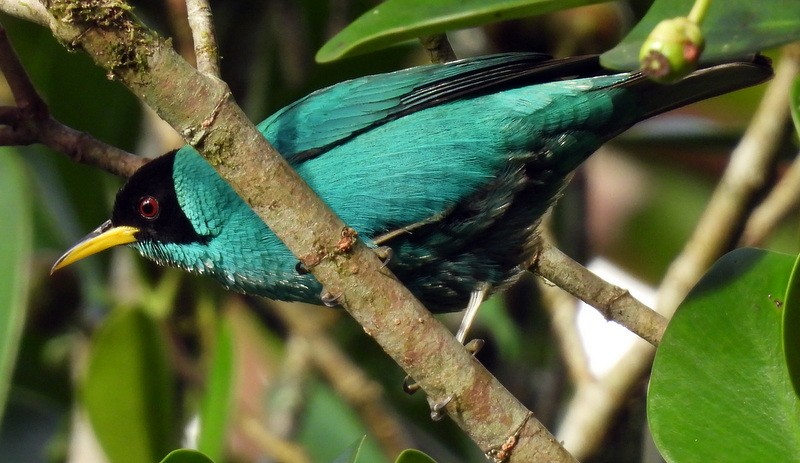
467,156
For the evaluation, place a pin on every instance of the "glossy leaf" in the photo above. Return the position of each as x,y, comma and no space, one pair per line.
731,28
719,389
413,456
791,327
128,392
217,402
394,21
186,456
15,254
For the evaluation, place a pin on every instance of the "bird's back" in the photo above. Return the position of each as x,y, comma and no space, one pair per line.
452,166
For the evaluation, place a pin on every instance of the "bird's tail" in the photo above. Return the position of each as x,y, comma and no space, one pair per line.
704,83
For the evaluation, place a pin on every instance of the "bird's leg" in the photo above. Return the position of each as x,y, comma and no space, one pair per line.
475,299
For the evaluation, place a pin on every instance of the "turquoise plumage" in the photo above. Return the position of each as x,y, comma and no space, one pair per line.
451,166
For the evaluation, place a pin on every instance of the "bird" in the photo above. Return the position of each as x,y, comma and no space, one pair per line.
449,166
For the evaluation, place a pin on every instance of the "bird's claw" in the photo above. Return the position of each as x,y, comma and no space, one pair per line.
385,254
437,408
329,299
301,268
474,346
410,386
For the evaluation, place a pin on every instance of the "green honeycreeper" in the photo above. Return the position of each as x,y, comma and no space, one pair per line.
451,166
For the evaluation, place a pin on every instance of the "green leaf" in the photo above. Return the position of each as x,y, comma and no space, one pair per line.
791,327
15,254
186,456
394,21
218,400
731,28
350,454
128,392
719,389
413,456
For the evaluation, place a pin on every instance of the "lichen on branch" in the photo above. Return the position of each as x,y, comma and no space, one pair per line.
120,58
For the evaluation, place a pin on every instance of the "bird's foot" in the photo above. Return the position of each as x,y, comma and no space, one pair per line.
473,347
437,408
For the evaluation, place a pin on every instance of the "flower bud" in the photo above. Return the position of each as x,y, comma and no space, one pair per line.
672,50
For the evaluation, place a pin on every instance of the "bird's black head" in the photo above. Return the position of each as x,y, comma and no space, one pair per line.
149,203
146,211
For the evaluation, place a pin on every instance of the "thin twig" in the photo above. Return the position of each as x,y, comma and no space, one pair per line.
30,122
780,202
205,45
438,48
563,311
589,412
85,149
290,385
18,80
614,303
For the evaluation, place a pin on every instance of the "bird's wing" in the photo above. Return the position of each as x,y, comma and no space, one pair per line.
334,115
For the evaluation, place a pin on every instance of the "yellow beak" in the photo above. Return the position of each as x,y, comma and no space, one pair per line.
103,237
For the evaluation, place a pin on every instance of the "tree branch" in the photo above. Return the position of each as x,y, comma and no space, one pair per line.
438,47
31,122
205,44
563,311
202,110
782,200
614,303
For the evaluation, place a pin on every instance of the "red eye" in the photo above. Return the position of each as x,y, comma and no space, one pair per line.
148,208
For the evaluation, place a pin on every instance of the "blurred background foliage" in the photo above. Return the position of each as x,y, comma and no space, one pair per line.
117,350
